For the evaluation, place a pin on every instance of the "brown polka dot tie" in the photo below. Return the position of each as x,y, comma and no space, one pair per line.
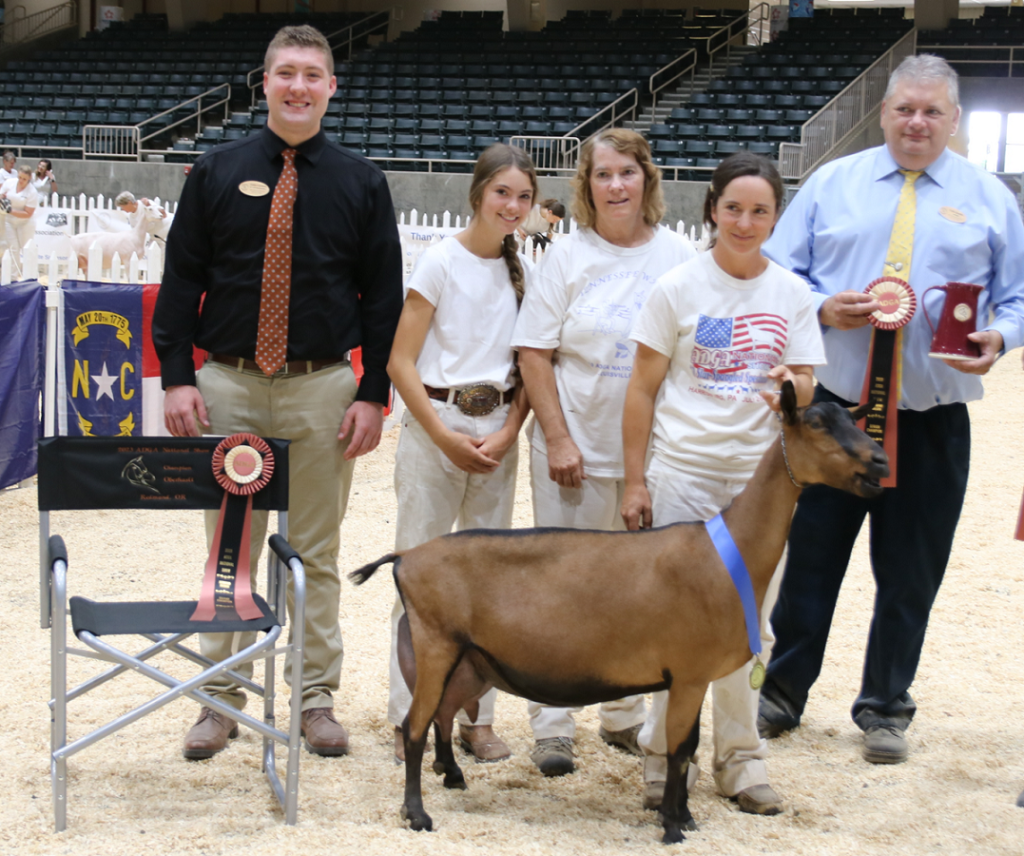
272,334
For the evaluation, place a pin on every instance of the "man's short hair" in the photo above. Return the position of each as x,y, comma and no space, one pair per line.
300,36
125,197
926,67
9,156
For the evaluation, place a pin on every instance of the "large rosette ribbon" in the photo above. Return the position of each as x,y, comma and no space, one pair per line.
896,306
242,465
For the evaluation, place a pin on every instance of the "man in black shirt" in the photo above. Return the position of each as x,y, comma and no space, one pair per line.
343,290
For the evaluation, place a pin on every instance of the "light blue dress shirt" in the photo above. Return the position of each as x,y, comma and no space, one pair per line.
835,234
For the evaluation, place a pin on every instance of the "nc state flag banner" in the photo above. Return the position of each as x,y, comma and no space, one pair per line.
108,379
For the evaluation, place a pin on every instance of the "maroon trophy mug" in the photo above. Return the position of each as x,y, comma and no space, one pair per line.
959,318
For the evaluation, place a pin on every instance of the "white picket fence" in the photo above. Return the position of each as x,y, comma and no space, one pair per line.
57,219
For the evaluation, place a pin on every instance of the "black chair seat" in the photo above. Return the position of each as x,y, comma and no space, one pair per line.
117,619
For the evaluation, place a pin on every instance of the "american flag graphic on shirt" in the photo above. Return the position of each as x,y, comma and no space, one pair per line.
743,333
732,356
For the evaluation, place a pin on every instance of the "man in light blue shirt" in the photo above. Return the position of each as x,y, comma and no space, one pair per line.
835,234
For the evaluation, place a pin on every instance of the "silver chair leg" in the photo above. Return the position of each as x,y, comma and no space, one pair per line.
58,690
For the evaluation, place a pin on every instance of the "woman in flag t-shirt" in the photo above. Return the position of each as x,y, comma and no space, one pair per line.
715,339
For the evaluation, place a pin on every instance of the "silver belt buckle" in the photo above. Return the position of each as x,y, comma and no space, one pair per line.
478,400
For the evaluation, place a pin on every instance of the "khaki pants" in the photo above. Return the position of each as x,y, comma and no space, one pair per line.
739,751
594,506
306,409
434,495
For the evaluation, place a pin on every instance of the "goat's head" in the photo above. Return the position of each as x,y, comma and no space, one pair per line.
826,446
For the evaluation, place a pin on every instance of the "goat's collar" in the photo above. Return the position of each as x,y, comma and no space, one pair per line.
785,457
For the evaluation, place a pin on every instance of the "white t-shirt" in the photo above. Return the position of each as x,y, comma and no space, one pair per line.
4,174
581,301
20,199
723,335
475,312
42,185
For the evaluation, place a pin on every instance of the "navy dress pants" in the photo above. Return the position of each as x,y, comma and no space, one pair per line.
912,527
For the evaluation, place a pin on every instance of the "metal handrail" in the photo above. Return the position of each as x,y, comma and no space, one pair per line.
225,100
725,35
654,90
17,31
335,40
552,154
1010,61
616,116
135,132
845,115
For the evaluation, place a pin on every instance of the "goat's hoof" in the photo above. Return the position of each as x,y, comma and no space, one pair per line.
687,823
455,781
419,821
673,835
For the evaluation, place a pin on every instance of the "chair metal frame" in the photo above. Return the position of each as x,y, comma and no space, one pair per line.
54,614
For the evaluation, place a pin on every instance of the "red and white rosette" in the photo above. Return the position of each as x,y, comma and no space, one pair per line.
243,464
896,302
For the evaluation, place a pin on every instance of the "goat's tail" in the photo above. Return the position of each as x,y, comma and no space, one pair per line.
366,571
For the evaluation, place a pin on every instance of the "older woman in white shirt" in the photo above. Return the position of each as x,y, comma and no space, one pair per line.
576,358
23,200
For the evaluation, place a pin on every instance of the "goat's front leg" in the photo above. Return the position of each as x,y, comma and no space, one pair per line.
675,809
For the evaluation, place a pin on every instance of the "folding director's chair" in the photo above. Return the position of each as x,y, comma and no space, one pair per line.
164,473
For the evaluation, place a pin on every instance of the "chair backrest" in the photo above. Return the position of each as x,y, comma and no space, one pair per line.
143,472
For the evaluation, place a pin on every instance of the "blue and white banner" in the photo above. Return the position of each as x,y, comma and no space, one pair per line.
100,377
22,320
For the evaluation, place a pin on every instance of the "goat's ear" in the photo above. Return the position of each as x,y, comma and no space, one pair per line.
787,402
859,412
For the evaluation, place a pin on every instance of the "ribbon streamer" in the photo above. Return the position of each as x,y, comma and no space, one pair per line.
242,465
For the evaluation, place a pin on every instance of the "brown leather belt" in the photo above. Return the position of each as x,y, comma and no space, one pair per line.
476,400
291,367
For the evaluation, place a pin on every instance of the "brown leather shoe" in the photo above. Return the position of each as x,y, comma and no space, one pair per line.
209,735
481,740
324,735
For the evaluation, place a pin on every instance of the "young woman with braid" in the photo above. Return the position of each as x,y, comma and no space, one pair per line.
453,364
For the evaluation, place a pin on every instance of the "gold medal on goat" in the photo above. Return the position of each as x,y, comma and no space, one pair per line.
757,674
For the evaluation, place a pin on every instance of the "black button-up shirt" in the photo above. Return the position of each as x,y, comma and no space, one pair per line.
346,287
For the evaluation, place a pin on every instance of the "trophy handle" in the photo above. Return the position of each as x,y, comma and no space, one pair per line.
924,306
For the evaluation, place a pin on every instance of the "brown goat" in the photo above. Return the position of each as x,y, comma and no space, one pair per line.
532,611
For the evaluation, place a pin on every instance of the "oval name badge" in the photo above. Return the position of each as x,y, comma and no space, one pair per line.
954,215
254,188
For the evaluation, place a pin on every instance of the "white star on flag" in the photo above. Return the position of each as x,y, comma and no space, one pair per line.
104,383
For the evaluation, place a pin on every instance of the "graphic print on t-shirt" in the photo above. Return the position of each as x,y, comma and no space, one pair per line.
732,356
613,320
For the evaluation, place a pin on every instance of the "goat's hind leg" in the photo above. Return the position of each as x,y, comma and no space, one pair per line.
675,808
437,660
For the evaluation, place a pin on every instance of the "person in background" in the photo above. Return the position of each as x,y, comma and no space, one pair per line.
458,451
158,221
715,339
19,200
10,161
323,244
44,181
576,357
911,210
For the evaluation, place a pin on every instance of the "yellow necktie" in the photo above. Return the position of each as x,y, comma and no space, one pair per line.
901,241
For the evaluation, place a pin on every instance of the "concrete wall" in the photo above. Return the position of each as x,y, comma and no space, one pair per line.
433,193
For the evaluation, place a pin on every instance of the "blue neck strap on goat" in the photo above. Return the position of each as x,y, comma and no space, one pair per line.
734,564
